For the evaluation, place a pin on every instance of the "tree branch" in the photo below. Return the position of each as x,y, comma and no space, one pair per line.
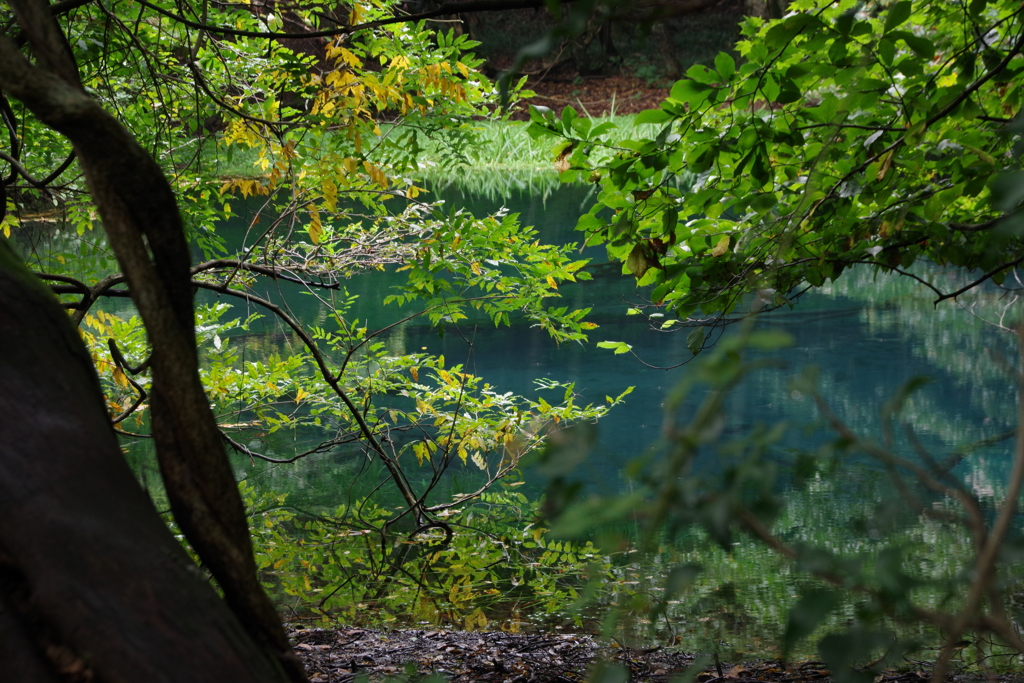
144,227
396,473
986,276
444,9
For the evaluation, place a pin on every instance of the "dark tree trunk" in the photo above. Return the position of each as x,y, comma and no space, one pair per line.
89,533
90,577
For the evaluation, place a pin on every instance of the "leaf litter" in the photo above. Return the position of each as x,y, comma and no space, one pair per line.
345,655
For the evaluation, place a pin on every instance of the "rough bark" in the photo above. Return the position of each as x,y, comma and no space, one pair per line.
140,216
91,580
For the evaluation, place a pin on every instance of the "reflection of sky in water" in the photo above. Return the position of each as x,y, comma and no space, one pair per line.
867,335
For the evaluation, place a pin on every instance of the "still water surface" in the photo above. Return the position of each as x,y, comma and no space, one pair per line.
868,334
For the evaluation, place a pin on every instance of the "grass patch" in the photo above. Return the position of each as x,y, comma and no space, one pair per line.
501,158
504,159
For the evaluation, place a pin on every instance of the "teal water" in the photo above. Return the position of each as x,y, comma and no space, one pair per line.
868,334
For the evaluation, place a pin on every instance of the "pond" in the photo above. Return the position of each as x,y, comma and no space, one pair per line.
867,334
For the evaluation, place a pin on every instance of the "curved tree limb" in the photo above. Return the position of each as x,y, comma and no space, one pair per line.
396,473
141,219
91,580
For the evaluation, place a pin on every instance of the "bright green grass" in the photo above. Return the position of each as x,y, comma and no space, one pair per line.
500,158
505,159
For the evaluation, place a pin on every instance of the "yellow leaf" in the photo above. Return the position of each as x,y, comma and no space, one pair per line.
415,372
721,247
376,175
886,165
120,378
330,190
981,154
476,267
316,231
551,281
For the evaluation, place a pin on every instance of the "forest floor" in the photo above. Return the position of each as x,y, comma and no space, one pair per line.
342,655
625,69
594,95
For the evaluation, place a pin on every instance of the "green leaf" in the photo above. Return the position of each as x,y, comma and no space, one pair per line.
681,578
537,131
977,7
567,449
618,347
837,51
652,116
1008,192
886,51
844,22
761,203
541,115
843,652
639,260
780,35
897,14
702,74
770,340
568,116
788,92
695,340
806,616
922,47
669,220
609,673
725,65
691,92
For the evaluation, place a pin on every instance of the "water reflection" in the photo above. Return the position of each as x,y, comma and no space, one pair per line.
868,333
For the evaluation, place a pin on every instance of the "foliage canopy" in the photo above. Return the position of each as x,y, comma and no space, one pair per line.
848,133
310,138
